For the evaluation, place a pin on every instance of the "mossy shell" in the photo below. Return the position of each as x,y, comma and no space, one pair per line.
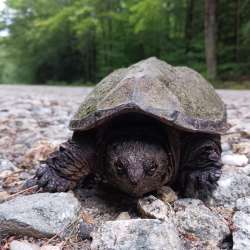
177,96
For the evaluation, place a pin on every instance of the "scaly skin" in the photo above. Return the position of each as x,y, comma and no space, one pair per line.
128,160
65,167
200,164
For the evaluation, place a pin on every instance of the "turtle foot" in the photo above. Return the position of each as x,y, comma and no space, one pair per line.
201,182
48,179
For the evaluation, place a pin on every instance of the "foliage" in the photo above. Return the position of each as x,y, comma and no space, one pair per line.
83,40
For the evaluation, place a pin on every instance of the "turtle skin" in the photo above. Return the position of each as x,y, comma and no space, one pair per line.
197,175
180,119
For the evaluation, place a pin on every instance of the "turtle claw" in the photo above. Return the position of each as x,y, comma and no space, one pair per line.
32,182
200,183
48,179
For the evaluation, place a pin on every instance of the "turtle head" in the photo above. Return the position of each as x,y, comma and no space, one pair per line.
138,165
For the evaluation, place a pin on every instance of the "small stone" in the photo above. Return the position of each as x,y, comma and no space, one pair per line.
225,147
38,215
241,224
136,234
6,165
245,130
246,170
167,194
235,160
85,230
226,153
241,232
3,196
151,207
193,217
242,148
23,245
123,216
231,186
5,173
243,204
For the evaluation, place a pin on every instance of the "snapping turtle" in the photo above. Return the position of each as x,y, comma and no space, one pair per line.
142,127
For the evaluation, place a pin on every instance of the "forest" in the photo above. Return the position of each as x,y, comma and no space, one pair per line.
81,41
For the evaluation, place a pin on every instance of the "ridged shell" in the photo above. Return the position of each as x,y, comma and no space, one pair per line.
177,96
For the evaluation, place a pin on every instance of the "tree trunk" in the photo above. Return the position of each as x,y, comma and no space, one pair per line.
237,29
189,24
210,37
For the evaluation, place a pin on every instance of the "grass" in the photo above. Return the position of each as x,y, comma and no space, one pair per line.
232,85
74,84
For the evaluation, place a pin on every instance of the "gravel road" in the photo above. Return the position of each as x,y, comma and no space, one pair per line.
34,121
31,114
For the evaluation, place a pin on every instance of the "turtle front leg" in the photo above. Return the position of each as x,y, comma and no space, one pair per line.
200,164
64,167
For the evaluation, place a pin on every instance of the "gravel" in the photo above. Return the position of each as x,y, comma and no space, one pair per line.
39,215
34,121
136,234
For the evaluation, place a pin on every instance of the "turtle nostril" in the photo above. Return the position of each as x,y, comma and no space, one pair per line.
133,181
134,177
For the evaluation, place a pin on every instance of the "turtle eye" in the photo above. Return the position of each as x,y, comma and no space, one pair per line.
120,169
150,170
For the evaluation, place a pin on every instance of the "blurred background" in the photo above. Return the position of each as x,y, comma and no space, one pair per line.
80,41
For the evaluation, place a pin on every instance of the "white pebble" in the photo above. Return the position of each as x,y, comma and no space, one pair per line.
123,216
225,147
23,245
246,169
235,160
5,173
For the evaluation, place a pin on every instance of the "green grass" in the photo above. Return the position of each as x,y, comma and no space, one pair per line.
74,84
232,85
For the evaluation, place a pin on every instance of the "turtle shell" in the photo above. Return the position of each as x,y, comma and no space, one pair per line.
177,96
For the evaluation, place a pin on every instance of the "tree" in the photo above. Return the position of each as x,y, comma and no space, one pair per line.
84,40
210,37
189,27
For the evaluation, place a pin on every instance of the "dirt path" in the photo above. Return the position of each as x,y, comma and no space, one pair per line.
34,120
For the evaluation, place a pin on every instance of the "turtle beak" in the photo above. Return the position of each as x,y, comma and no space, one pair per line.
135,175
